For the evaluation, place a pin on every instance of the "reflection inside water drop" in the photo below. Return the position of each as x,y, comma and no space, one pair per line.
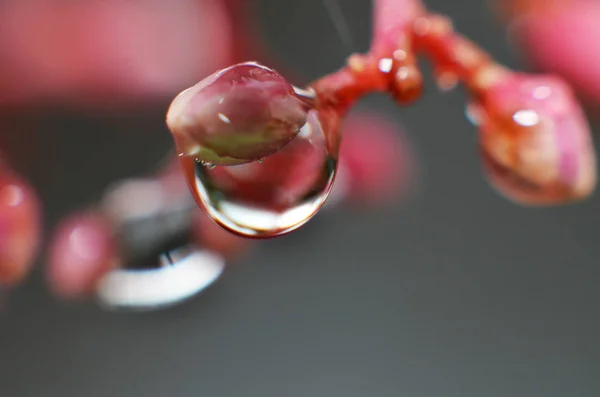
273,196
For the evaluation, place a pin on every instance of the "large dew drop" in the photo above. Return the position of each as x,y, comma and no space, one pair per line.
275,195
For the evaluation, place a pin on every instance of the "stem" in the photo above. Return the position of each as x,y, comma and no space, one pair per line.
453,53
338,91
341,89
402,27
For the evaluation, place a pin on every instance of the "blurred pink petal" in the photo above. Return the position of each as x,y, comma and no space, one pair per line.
108,50
536,141
82,250
19,229
376,163
564,39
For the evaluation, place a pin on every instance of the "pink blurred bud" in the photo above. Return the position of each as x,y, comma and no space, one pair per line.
19,229
82,250
535,140
561,37
376,164
108,51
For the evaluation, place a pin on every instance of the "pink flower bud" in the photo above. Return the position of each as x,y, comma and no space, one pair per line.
19,229
562,39
108,51
237,115
375,163
535,140
82,250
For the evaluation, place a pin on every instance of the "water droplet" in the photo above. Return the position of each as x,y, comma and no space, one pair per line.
207,164
260,161
274,196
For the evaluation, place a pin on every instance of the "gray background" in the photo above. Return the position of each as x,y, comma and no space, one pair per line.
455,293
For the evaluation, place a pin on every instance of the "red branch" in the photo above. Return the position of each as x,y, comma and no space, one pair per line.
403,28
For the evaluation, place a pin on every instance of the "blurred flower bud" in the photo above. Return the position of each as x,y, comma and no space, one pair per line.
535,140
108,51
19,229
376,164
82,250
560,37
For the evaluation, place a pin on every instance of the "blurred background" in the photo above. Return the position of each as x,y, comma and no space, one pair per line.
452,291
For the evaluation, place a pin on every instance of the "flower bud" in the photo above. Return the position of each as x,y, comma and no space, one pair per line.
559,38
535,140
20,227
82,250
237,115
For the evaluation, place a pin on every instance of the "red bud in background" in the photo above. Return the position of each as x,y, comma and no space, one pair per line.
376,163
560,37
82,250
108,51
19,229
